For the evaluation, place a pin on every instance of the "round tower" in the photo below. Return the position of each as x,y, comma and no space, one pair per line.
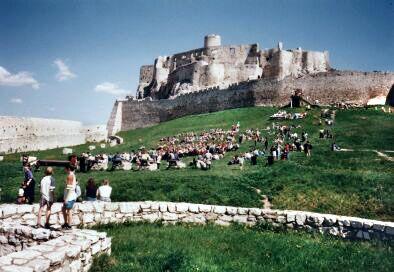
212,40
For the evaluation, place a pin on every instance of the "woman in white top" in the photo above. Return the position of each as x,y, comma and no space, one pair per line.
70,196
104,191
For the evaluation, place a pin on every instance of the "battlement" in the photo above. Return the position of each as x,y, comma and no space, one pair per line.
217,77
222,65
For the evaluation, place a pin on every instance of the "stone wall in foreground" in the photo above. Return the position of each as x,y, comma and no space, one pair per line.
91,213
27,249
326,87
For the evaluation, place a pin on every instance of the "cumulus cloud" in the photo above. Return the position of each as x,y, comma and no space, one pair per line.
64,72
110,88
18,79
16,100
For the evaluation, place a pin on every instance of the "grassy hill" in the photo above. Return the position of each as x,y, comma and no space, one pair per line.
143,247
358,183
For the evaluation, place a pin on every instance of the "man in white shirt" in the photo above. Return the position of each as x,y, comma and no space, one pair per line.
47,196
104,191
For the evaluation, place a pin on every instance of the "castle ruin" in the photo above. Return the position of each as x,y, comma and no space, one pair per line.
217,77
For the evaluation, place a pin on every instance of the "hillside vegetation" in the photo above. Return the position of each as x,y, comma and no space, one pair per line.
143,247
358,183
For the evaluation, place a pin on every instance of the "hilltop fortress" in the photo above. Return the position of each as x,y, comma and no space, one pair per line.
218,77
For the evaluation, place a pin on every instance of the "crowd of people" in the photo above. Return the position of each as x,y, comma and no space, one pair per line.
72,193
205,147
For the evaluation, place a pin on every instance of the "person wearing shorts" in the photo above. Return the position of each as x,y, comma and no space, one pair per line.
70,196
47,196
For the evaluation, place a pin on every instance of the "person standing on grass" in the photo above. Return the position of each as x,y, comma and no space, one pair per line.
70,196
29,183
47,196
307,148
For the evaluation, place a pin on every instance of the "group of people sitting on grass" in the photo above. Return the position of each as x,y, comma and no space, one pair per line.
72,193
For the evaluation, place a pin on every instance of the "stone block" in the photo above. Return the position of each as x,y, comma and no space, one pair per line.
15,268
41,234
75,266
240,218
169,216
21,209
96,248
111,206
39,265
56,207
329,220
193,208
86,207
163,207
243,211
222,223
151,217
231,210
182,207
171,207
226,218
300,219
255,211
57,256
8,210
129,207
389,230
204,208
356,224
154,206
87,218
219,209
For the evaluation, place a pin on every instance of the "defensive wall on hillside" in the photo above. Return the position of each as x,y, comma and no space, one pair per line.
325,88
29,134
217,77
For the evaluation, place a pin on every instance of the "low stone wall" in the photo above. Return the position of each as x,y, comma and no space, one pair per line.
27,249
91,213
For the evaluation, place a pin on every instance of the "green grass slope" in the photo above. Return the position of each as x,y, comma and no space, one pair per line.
143,247
358,183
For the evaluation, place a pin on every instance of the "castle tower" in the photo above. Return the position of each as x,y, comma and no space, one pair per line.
212,40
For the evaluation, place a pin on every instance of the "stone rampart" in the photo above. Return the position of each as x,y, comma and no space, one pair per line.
326,88
92,213
18,134
27,249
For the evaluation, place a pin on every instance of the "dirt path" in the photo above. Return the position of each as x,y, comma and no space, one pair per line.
264,199
380,154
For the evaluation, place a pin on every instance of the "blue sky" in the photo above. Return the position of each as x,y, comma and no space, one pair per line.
71,59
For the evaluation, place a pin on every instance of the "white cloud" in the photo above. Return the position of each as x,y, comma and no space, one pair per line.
16,100
18,79
110,88
64,72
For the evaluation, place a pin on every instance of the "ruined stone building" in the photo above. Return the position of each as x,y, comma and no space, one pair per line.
217,77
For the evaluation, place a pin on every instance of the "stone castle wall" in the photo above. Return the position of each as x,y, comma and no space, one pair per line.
19,134
326,88
92,213
24,248
28,249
